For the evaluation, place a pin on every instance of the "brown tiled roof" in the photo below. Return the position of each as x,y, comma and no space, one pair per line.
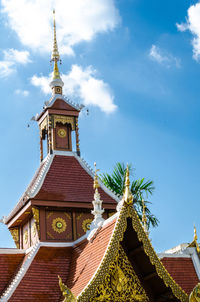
75,265
86,259
61,104
9,264
67,180
40,282
182,271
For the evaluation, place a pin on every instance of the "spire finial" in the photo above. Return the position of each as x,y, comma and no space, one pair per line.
144,218
194,242
96,183
97,203
56,83
128,197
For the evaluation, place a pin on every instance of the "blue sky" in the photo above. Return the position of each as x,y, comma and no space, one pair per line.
135,65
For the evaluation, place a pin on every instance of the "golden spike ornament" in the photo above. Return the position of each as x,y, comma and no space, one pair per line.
194,242
144,218
66,292
55,57
96,183
128,197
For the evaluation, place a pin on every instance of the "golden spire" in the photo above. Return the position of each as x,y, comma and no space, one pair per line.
128,197
56,83
144,217
96,183
194,242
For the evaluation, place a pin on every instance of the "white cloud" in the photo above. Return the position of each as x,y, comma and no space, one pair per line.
82,84
76,20
163,57
193,25
22,92
6,68
12,57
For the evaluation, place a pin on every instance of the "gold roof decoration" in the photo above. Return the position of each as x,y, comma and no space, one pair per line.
55,57
96,183
97,204
144,218
128,197
194,242
113,248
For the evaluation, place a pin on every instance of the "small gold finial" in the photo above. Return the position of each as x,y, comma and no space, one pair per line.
194,242
96,183
144,217
66,292
128,197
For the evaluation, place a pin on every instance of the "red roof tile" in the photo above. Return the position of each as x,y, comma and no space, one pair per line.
9,264
40,282
67,180
86,259
182,271
61,104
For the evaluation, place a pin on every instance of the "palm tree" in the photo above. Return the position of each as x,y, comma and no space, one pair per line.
140,189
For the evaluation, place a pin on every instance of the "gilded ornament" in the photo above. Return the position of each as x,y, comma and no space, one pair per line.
64,120
15,235
34,229
120,283
26,236
62,133
59,225
194,243
86,224
195,294
66,292
36,216
111,254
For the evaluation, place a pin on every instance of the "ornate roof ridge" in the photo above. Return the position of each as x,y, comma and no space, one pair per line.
28,193
20,274
64,98
113,246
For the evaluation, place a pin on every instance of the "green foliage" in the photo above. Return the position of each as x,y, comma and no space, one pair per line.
140,189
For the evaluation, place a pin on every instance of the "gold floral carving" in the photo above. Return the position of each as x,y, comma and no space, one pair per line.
126,211
121,282
15,235
36,216
26,236
86,224
64,120
62,133
59,225
34,229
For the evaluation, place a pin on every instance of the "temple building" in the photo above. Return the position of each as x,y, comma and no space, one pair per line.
75,239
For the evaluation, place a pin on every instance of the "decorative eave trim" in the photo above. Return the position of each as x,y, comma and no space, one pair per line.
30,193
52,100
21,273
166,255
11,251
113,246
